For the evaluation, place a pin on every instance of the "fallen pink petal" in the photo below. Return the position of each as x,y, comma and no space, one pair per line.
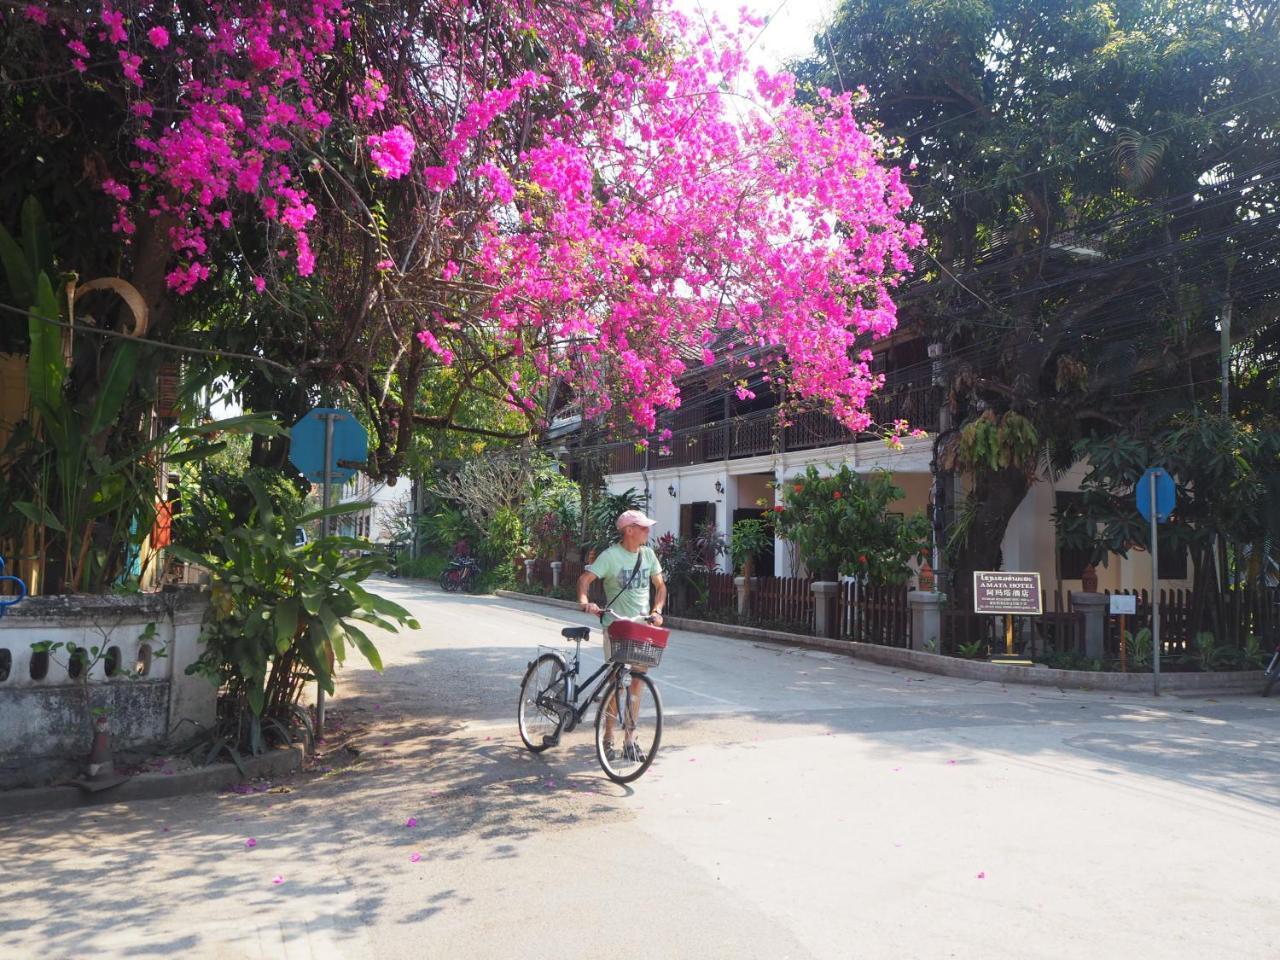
982,874
251,843
415,857
411,822
277,879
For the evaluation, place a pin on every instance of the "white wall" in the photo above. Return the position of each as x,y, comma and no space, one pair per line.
1030,543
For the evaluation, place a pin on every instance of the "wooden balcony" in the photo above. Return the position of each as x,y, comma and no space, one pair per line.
757,434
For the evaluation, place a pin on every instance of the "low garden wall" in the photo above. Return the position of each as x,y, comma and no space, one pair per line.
139,678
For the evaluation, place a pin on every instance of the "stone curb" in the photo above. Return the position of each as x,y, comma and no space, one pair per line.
150,786
1236,681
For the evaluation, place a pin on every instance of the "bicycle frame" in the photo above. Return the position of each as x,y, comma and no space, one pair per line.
606,672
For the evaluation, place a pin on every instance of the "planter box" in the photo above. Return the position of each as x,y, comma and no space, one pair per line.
44,718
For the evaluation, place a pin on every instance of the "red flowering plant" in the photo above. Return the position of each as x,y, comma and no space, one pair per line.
843,524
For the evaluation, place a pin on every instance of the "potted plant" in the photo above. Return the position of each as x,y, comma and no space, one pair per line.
750,538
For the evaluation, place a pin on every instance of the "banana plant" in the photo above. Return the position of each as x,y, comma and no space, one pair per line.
85,470
283,614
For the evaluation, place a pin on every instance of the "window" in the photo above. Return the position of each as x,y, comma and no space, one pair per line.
1071,561
1173,557
695,516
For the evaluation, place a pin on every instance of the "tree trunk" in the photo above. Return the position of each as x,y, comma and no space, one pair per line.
997,496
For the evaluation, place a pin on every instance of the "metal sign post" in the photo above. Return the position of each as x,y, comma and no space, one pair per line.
1156,496
1122,605
1008,593
1155,596
325,486
327,446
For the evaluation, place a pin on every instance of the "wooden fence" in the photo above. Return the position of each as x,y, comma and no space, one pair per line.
1058,630
875,614
783,601
1252,611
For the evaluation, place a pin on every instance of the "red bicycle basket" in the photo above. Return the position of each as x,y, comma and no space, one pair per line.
636,643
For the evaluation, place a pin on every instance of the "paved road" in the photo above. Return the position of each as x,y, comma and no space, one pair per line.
804,805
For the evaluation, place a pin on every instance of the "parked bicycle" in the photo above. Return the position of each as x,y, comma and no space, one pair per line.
628,724
461,574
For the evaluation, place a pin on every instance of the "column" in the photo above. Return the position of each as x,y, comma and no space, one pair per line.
926,620
1094,606
826,617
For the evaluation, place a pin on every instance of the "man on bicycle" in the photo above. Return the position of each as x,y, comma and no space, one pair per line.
628,569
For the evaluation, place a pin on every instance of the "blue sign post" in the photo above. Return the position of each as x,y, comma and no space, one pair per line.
1156,497
327,446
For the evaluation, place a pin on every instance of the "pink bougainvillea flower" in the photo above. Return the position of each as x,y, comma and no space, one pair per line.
392,151
159,37
415,857
251,843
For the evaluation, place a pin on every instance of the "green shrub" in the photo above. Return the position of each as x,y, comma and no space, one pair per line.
429,566
842,524
280,614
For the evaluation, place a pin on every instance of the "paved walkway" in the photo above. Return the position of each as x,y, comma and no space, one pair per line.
804,805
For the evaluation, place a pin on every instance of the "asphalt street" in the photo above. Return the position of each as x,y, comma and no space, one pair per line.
803,805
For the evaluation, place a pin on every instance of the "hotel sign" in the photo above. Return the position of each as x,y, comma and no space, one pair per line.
1005,592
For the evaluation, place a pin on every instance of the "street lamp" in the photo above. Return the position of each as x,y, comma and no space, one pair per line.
672,490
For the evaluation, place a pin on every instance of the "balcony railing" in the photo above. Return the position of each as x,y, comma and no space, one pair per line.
760,433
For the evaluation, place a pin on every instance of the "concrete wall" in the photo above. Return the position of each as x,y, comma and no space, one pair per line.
45,720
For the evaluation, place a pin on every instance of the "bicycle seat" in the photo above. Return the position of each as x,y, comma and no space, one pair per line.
576,633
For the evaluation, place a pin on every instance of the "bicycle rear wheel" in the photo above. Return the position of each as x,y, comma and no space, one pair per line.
541,689
628,727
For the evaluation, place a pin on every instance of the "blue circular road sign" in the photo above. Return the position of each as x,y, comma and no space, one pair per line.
306,444
1165,494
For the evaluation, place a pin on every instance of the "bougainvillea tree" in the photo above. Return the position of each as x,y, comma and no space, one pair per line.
591,196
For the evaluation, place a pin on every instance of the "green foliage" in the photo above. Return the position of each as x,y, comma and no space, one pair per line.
604,508
1138,650
429,566
841,524
280,614
750,538
214,501
972,650
990,444
1070,164
553,515
445,527
503,541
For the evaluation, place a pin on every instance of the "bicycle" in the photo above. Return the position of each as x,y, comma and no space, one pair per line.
553,702
461,574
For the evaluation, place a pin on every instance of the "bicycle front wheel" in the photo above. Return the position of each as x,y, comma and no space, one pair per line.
628,727
541,697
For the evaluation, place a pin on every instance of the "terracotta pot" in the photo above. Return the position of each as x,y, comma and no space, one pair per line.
1089,579
925,577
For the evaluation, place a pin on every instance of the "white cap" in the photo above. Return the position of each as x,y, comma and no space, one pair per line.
629,518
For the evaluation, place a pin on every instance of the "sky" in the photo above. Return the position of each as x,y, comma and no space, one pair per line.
789,32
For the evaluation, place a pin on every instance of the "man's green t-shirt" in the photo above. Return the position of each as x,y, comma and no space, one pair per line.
614,567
